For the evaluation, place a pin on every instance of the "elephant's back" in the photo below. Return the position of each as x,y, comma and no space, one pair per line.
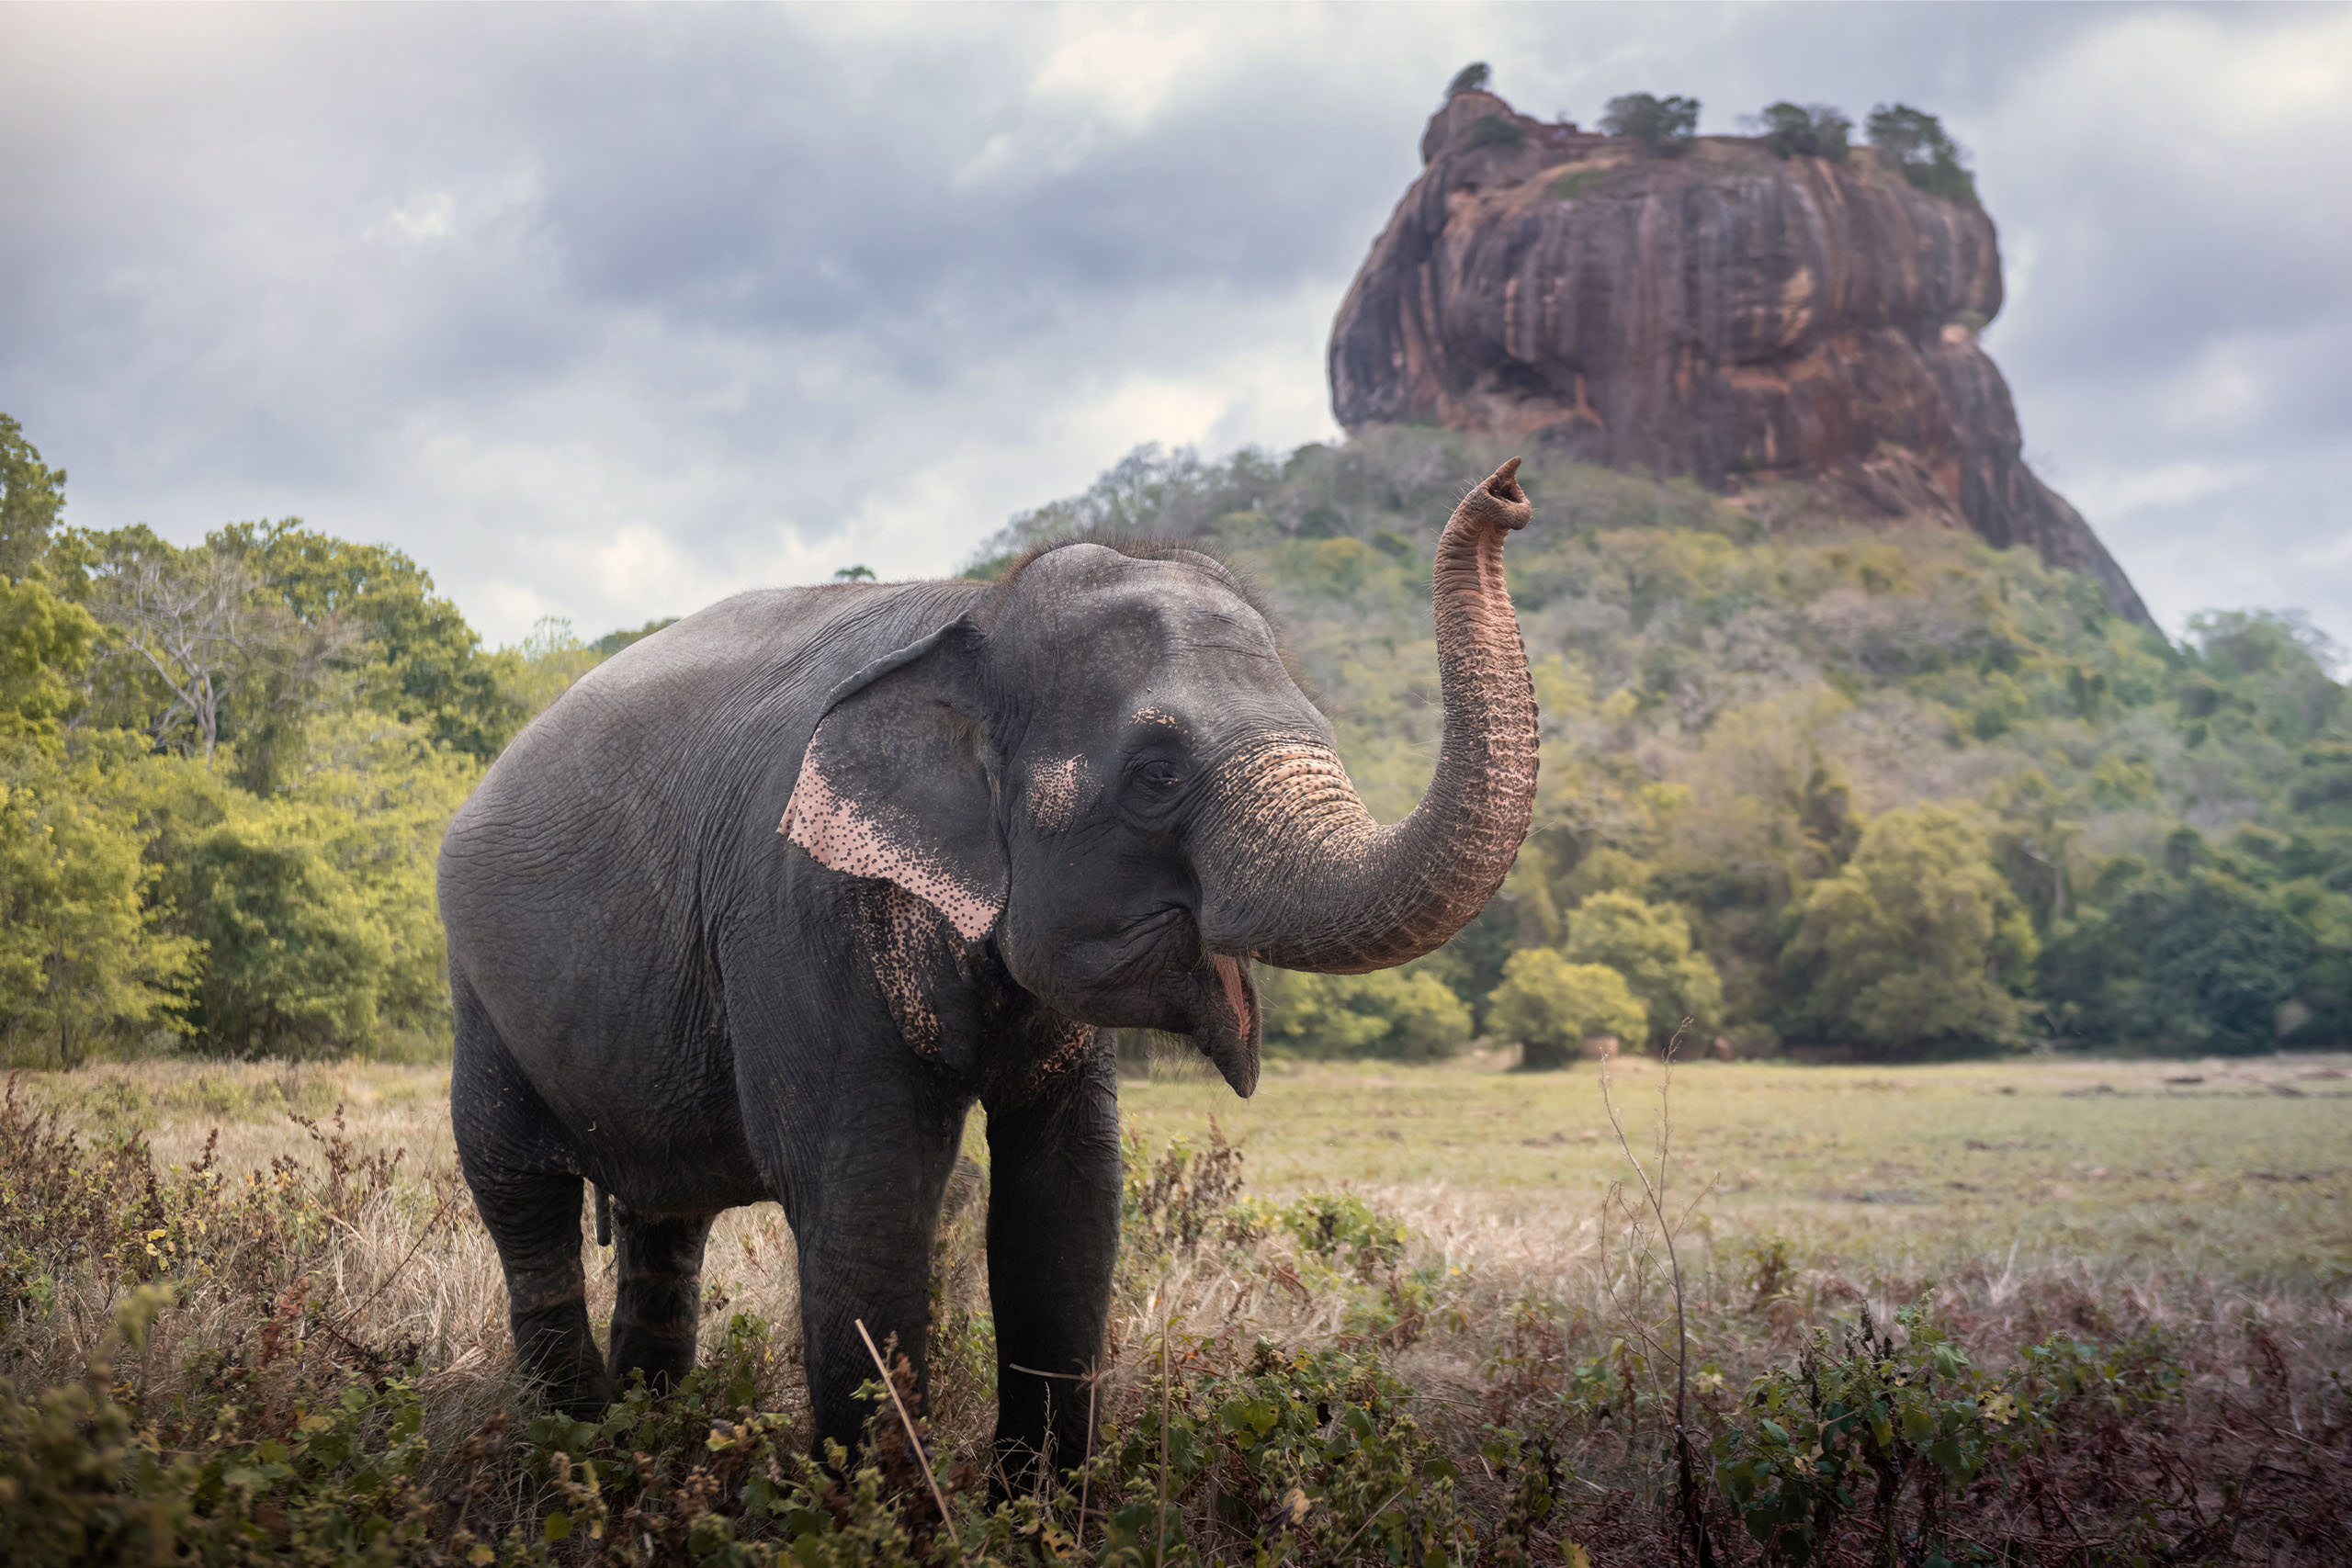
575,881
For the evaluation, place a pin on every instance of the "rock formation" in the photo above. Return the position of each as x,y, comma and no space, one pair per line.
1724,313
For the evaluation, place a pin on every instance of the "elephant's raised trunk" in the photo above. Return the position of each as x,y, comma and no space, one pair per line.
1305,878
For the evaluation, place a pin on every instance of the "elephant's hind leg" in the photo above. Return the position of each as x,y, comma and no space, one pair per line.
659,1301
530,1205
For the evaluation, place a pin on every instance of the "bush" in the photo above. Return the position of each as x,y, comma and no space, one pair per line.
1665,125
1551,1007
1917,143
1471,78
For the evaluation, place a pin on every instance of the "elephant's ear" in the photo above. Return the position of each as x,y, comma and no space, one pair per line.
894,787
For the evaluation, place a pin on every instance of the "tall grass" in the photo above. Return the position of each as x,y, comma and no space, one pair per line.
287,1340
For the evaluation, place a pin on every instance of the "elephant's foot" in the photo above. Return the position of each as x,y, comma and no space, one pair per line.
558,1354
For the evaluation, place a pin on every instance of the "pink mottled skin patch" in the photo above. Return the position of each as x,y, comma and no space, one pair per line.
1236,996
841,837
1054,789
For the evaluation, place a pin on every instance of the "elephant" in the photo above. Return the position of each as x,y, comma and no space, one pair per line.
763,905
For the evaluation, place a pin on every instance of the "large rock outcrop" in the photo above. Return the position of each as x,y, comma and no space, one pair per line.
1724,313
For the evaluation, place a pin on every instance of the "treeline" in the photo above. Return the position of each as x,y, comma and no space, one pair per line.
1804,780
224,772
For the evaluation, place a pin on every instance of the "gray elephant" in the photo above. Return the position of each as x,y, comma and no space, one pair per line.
763,905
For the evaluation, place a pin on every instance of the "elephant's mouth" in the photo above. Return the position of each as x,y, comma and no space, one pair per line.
1227,1022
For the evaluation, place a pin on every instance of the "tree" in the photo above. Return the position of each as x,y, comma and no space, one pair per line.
1805,130
187,614
1403,1013
31,495
44,643
1918,144
296,959
2198,960
1471,78
417,658
1551,1007
1918,940
858,573
1649,948
1664,126
81,958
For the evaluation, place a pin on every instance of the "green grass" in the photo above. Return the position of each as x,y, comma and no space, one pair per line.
2243,1174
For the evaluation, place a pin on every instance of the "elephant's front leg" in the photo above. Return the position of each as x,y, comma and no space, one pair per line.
1052,1238
863,1211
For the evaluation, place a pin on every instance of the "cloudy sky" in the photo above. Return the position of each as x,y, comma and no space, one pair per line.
607,312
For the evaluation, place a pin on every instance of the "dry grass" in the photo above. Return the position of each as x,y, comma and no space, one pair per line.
2035,1198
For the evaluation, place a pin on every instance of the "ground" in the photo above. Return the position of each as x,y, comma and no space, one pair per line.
1481,1240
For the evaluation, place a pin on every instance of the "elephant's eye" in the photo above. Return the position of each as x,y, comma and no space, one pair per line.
1159,778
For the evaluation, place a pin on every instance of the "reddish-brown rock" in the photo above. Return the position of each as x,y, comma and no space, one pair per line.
1724,313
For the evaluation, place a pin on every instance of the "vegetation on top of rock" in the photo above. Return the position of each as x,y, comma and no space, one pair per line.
1471,78
1497,130
1918,144
1808,131
1664,126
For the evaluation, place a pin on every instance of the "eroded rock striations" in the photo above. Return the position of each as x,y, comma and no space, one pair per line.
1723,313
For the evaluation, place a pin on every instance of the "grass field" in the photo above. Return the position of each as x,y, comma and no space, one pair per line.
2204,1204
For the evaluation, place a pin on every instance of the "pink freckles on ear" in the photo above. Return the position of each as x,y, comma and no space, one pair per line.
841,837
1235,997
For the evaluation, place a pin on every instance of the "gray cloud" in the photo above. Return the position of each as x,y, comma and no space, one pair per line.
606,312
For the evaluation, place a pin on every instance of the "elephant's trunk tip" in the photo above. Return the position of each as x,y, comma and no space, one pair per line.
1498,500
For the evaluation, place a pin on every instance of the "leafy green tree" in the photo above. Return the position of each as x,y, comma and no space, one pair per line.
82,959
2199,959
1408,1014
1551,1007
1650,947
1918,144
1664,126
421,661
375,797
31,495
1471,78
1918,940
296,961
44,644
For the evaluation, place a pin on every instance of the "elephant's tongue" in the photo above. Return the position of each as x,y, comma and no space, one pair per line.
1231,1040
1236,992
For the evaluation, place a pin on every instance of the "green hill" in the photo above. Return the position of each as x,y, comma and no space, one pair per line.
1904,791
1805,781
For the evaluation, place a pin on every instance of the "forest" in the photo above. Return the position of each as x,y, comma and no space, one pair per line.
1809,783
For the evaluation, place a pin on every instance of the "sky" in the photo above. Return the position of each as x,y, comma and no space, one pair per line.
604,313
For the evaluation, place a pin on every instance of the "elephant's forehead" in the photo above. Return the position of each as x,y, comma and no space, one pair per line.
1120,605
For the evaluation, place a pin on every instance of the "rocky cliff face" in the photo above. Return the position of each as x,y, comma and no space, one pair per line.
1724,313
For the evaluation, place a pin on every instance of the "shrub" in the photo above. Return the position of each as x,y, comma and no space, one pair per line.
1917,143
1665,125
1551,1006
